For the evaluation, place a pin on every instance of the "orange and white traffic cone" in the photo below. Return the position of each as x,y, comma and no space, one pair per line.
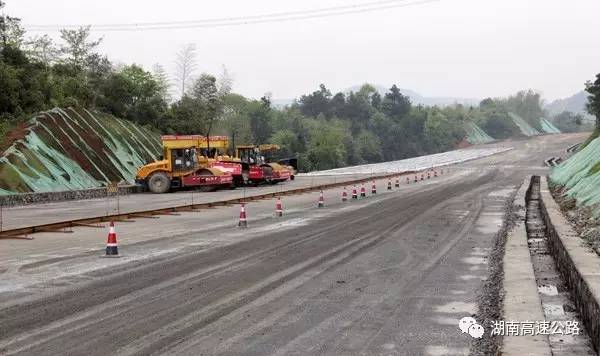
373,188
434,173
390,184
321,202
398,182
344,195
354,193
428,175
422,176
278,208
243,222
112,249
363,191
416,178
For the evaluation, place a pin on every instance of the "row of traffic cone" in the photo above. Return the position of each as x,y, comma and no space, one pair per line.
112,249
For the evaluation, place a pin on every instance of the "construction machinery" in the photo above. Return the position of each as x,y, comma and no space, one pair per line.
256,169
183,165
291,164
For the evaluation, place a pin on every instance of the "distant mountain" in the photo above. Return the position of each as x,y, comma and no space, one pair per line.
415,98
574,104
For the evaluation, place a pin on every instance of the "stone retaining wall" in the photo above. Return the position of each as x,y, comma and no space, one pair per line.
578,265
49,197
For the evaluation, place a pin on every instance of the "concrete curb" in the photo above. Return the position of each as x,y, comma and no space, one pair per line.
578,265
521,299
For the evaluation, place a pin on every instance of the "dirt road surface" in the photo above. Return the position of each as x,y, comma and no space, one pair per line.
387,275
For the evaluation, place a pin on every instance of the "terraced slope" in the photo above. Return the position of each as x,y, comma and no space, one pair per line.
74,149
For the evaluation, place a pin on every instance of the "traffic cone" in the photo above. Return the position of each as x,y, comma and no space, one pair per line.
428,175
243,222
416,180
354,193
398,182
363,192
390,184
278,208
407,180
344,195
321,200
422,176
441,171
111,242
373,188
435,173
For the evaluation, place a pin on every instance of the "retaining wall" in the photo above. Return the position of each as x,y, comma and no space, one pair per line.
49,197
578,265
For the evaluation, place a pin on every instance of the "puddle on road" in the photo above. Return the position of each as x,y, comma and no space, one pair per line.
446,351
457,307
475,260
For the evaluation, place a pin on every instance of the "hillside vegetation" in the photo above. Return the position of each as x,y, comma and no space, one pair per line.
323,129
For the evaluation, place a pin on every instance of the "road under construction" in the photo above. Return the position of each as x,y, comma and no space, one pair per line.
389,274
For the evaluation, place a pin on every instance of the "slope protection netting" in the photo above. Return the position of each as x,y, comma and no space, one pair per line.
75,149
580,174
548,127
525,128
475,135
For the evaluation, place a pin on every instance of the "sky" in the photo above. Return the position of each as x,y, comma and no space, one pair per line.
457,48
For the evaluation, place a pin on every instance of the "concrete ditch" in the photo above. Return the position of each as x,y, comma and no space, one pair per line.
577,264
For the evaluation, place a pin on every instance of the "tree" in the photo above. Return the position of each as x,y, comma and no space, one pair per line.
260,116
11,31
79,49
162,80
133,93
593,105
208,102
568,122
185,65
43,50
312,105
395,105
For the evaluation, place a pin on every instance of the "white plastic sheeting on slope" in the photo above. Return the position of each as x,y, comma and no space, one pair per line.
416,163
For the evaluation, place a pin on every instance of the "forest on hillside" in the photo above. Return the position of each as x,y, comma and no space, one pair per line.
323,129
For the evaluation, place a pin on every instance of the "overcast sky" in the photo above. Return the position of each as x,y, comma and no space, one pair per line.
460,48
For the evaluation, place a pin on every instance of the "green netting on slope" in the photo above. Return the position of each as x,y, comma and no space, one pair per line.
580,174
525,128
548,127
75,149
475,135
